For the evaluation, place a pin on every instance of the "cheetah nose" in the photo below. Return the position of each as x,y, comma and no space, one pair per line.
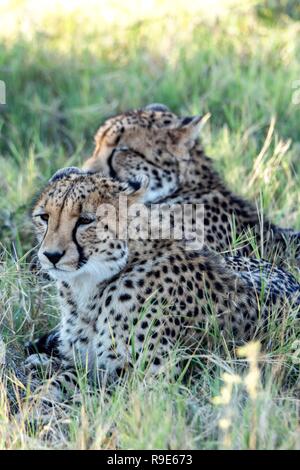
54,256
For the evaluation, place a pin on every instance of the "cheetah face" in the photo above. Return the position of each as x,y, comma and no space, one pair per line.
74,236
150,142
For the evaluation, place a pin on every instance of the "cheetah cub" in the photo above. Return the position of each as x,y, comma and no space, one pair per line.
119,310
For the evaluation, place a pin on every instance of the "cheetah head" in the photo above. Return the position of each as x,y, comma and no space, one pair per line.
152,142
75,225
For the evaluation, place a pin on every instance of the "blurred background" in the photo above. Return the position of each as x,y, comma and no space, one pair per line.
68,65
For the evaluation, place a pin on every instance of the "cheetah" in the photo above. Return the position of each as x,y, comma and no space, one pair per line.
157,143
154,300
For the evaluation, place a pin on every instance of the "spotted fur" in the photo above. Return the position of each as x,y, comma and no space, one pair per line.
157,143
126,302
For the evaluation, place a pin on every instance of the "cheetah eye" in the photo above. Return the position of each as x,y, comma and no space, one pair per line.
44,217
84,220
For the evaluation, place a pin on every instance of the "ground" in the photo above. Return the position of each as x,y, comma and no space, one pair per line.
66,70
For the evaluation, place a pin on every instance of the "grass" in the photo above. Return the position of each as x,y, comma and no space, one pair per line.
66,70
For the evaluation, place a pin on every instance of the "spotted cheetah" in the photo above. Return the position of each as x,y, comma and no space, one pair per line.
118,310
157,143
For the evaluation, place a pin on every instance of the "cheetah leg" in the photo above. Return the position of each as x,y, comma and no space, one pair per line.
58,379
49,397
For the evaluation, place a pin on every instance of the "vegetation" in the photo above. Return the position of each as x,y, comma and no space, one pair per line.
68,68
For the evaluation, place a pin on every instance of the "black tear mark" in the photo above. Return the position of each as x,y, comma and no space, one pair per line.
112,172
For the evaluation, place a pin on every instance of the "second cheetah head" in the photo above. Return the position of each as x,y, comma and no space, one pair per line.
152,142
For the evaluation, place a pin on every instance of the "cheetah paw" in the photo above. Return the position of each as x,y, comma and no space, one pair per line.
35,361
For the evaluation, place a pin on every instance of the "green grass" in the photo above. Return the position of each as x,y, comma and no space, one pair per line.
65,74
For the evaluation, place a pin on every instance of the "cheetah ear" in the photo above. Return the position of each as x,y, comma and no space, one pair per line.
188,130
62,172
156,107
